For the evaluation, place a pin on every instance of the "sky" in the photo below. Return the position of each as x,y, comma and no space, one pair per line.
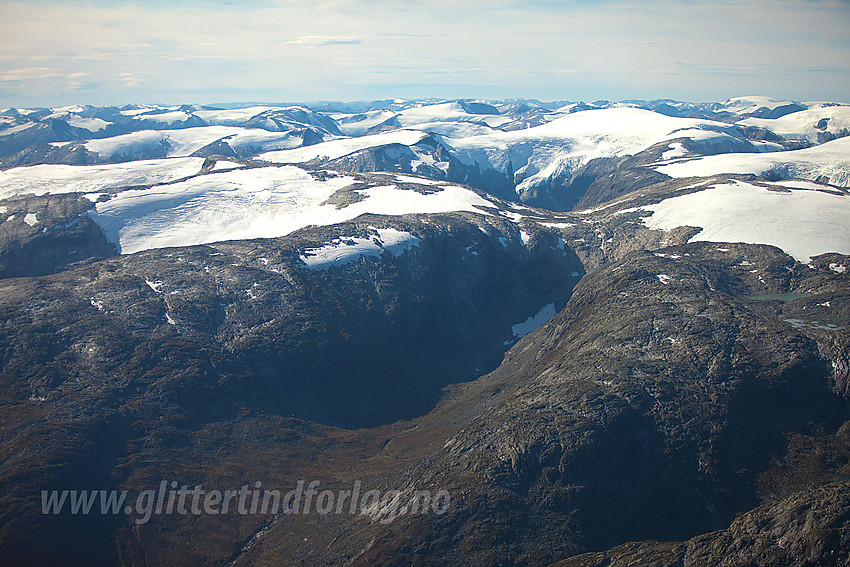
59,52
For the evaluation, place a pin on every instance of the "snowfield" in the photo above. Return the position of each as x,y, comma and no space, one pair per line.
749,104
803,223
54,179
831,159
335,149
180,143
567,143
803,125
254,203
233,117
174,203
347,249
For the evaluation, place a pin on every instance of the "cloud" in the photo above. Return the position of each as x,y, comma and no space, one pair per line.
34,73
325,40
192,51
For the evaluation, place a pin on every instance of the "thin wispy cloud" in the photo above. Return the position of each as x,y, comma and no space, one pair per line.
192,51
324,40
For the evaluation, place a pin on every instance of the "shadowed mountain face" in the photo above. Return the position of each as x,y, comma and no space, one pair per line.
363,295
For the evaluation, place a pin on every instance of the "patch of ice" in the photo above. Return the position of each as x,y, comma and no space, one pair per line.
535,321
675,150
223,165
347,249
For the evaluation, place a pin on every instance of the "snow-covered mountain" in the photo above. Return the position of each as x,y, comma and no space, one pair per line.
192,175
599,325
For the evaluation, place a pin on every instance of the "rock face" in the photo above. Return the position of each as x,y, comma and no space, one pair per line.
808,528
40,235
193,335
649,408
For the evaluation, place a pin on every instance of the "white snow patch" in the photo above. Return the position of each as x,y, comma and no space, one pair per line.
347,249
837,268
154,285
675,150
515,217
803,124
831,159
164,117
222,165
663,278
802,223
335,149
234,116
752,103
169,320
185,141
31,219
53,179
447,112
16,129
90,124
535,321
358,124
563,145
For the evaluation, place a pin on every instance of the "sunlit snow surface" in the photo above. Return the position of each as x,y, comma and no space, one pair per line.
347,249
338,148
804,124
534,154
254,203
803,223
564,144
831,159
53,179
184,142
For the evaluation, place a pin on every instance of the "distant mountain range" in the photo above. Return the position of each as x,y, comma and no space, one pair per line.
616,333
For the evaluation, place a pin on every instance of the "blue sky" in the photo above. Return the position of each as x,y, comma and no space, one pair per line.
62,52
